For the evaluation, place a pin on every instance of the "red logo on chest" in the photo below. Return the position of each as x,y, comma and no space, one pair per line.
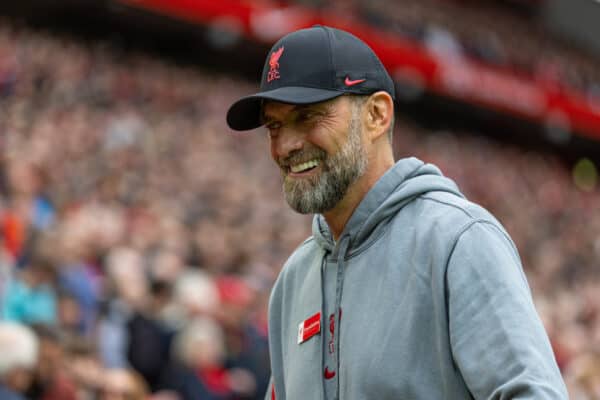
309,328
274,65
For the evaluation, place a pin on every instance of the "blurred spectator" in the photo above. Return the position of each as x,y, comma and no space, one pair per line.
69,313
30,209
246,342
84,367
30,295
19,349
122,384
198,367
77,279
51,381
145,332
583,377
195,294
112,334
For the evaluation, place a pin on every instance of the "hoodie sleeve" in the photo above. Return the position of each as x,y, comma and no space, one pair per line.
498,341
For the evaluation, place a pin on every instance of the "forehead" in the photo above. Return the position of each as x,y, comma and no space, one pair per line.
273,109
277,110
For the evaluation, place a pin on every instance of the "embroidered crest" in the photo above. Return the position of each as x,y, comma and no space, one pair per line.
274,65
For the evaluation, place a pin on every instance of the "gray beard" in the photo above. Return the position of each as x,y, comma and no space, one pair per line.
323,192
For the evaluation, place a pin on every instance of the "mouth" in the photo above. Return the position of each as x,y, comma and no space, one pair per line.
302,169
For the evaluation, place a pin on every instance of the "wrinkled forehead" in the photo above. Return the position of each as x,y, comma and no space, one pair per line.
271,109
275,110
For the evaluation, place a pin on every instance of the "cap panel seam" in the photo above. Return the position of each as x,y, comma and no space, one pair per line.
332,71
377,64
383,82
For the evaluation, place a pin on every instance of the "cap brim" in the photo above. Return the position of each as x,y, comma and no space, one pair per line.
244,114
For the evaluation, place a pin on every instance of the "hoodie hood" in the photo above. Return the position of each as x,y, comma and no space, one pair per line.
405,181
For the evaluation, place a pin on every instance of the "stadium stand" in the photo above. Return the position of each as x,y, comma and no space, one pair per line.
132,218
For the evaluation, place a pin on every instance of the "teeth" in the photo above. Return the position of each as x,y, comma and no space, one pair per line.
304,166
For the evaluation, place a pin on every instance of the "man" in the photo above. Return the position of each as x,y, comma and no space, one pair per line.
406,290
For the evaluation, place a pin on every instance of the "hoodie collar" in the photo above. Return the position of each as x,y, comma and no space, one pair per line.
407,179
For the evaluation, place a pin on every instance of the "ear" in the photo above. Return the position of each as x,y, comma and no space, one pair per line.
379,110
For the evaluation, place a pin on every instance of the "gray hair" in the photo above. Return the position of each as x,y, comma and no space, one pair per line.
199,330
18,347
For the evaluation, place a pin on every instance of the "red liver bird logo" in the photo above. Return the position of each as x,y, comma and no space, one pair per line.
274,64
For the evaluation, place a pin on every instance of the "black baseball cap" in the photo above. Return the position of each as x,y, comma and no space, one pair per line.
309,66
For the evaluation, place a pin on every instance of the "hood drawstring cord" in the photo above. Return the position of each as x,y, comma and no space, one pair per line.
344,245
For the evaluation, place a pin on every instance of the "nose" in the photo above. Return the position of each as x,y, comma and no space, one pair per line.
285,143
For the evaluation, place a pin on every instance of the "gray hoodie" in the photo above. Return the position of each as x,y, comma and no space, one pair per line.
431,297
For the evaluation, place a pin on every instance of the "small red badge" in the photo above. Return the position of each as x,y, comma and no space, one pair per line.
309,328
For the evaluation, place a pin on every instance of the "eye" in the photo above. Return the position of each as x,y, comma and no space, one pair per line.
273,128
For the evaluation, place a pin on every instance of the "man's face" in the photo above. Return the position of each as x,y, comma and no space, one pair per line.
319,150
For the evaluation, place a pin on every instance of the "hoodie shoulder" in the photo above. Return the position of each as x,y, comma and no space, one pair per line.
457,209
445,216
305,249
300,259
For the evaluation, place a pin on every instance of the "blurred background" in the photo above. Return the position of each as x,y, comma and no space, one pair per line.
139,236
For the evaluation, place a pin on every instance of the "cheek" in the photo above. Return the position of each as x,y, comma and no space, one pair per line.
328,139
273,150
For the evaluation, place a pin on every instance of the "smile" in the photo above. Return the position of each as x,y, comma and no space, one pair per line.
305,166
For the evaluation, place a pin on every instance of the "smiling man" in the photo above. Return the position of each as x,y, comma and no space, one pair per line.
406,290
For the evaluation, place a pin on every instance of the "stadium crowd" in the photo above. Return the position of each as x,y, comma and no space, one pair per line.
485,31
140,237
